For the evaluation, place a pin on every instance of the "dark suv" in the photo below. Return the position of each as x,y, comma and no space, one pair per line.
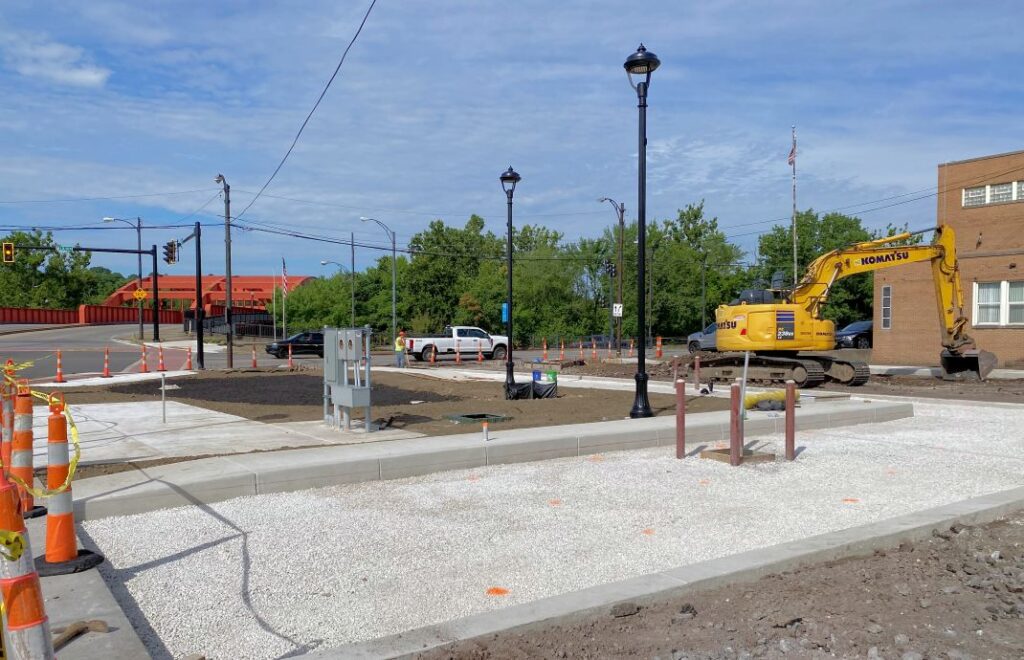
304,343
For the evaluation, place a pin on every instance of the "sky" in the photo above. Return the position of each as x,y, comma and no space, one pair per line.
130,109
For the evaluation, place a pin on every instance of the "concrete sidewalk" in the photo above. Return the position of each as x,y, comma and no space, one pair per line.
227,477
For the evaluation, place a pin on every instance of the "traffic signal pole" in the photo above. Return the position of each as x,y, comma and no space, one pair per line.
198,313
156,297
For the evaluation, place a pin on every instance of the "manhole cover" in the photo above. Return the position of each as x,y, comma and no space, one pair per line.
476,418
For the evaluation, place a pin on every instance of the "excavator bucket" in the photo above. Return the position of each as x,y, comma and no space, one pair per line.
972,364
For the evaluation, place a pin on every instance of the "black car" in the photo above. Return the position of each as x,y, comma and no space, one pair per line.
855,335
304,343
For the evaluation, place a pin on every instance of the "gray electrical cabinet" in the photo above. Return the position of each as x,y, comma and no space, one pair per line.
346,376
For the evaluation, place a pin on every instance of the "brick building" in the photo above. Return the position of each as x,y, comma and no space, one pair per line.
982,199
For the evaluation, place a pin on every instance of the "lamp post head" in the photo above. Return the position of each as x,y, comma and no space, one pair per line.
219,179
107,218
641,63
323,263
509,179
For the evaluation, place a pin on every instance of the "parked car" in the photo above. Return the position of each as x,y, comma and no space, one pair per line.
856,335
303,343
469,338
703,340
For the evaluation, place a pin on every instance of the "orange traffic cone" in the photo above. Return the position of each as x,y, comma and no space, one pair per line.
62,554
188,358
581,350
561,351
630,347
545,356
144,367
433,354
593,349
609,350
60,371
160,362
291,363
26,628
21,451
458,353
254,356
479,351
106,362
657,347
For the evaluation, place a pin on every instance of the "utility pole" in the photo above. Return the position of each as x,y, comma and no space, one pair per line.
227,268
620,213
352,274
156,298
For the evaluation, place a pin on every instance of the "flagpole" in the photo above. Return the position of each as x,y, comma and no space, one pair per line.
796,272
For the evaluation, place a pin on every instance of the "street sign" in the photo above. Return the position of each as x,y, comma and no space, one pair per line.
140,294
66,249
617,310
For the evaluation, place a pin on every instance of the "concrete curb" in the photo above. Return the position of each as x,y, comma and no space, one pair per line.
227,477
643,589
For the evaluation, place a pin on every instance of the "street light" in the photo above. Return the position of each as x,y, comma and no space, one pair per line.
324,262
394,276
138,235
620,211
641,63
509,179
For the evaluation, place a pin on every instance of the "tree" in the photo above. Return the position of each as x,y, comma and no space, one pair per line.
52,279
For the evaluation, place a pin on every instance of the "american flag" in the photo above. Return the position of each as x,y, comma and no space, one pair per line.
792,155
284,278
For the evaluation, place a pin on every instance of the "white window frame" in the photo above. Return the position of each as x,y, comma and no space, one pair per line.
984,197
1016,194
992,192
886,323
1004,307
1010,304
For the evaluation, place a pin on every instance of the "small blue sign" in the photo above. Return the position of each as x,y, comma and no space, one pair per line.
504,312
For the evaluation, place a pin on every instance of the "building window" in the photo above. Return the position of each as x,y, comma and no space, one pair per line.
999,303
887,307
1001,192
1015,303
974,196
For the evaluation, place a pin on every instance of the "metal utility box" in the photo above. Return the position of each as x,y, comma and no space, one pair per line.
346,375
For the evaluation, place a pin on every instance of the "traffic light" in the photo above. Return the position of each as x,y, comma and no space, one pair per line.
171,252
8,253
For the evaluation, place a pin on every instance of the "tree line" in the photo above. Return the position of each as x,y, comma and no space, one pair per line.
457,275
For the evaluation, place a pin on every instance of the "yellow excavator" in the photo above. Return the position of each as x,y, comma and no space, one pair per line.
776,325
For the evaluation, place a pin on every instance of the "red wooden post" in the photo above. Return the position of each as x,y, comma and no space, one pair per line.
680,418
790,420
735,434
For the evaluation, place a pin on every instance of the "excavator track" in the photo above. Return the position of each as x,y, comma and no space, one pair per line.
846,372
805,372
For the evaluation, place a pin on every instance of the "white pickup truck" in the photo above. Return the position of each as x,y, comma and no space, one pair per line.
468,339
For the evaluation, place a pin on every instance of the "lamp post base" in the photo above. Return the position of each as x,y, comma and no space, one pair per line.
641,405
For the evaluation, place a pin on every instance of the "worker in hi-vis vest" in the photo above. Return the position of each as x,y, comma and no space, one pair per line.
400,349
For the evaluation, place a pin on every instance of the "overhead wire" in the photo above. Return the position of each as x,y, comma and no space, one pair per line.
315,106
102,199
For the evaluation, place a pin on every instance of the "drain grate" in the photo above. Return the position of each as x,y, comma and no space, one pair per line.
476,418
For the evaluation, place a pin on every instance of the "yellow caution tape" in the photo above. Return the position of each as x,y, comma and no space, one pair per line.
12,545
72,463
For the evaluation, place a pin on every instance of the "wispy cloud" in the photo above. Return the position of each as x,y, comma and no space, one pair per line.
36,56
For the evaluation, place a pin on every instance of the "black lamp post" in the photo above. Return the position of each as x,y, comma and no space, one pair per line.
641,63
509,179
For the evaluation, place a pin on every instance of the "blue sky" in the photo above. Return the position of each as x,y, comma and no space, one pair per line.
108,98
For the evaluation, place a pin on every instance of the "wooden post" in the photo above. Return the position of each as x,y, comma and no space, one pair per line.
735,434
790,420
680,418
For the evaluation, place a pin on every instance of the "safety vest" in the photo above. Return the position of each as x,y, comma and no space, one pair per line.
399,344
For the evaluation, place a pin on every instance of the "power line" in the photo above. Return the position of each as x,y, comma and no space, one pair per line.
315,106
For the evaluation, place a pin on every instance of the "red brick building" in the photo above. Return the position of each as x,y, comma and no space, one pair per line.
982,199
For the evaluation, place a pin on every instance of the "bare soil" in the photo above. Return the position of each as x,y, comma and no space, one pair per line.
959,594
412,400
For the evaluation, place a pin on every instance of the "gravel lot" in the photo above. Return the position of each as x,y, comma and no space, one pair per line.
278,574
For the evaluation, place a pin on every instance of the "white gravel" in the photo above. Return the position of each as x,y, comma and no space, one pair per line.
265,576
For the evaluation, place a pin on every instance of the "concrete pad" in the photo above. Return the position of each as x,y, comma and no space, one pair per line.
298,469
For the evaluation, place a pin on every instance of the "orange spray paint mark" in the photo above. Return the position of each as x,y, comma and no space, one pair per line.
704,482
596,458
497,591
473,477
648,531
850,500
555,502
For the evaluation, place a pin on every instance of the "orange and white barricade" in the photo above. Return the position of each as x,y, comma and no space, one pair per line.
21,451
62,554
26,627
